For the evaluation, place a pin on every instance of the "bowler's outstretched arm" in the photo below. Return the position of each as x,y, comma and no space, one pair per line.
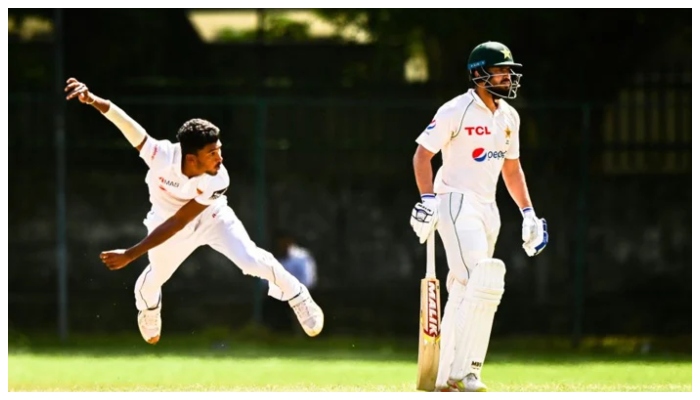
117,259
131,129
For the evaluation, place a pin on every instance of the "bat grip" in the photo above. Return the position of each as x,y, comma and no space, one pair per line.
430,256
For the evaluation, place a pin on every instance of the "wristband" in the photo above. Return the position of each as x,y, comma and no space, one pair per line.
527,211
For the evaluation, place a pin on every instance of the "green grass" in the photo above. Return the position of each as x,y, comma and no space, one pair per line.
228,364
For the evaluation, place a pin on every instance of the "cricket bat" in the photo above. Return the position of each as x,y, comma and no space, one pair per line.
429,326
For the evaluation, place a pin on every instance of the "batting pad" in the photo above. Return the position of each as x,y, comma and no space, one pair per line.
474,316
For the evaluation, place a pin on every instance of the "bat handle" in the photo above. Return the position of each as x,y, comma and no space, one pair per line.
430,256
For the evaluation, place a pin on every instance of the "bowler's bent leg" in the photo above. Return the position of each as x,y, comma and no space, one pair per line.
163,261
228,236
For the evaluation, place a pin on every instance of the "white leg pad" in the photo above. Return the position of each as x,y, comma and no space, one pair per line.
474,317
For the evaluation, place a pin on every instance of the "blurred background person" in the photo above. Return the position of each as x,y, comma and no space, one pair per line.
299,262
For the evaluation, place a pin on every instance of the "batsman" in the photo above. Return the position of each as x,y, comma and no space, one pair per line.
478,134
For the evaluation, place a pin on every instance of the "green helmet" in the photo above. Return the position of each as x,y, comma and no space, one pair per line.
493,54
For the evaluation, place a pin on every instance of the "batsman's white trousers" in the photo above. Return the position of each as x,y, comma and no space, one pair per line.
469,230
220,228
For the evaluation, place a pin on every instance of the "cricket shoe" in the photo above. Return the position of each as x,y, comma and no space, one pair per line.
308,313
150,324
469,384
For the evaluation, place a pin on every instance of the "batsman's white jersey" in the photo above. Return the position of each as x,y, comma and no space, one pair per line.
217,226
474,143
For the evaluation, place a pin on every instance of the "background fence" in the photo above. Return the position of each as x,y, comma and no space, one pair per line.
612,179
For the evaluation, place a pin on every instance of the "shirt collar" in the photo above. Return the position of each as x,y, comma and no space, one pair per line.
480,102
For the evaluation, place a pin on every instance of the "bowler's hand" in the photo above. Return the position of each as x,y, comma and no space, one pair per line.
116,259
78,89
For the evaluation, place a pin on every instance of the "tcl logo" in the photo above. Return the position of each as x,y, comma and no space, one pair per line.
479,130
433,328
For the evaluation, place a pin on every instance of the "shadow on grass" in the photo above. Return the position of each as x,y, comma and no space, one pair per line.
259,344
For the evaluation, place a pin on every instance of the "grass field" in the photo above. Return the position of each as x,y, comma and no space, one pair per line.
308,365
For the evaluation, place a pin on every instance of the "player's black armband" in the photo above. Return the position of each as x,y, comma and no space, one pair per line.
218,193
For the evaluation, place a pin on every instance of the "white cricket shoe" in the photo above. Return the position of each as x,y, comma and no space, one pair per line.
150,324
308,313
471,383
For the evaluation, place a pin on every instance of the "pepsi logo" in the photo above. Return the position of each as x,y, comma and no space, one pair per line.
480,154
432,125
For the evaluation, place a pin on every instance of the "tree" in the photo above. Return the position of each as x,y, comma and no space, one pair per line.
566,53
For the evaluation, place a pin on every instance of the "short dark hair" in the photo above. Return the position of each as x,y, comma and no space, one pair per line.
196,133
